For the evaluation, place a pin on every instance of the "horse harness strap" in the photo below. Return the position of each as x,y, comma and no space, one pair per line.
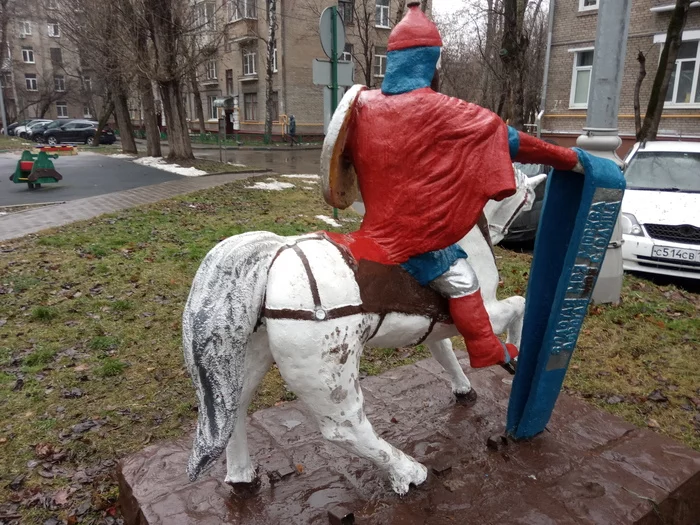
318,313
376,282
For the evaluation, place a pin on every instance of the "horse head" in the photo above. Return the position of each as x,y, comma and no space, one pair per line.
501,214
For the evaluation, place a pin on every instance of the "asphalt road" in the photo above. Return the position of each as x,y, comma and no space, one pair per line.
84,175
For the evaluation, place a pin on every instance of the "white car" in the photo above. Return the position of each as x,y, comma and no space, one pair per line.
21,131
661,209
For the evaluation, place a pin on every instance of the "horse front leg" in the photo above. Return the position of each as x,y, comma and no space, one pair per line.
507,317
443,354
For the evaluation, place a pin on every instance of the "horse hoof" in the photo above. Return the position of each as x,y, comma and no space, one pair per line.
468,399
244,489
413,474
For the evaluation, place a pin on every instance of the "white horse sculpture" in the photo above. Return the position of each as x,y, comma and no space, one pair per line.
259,298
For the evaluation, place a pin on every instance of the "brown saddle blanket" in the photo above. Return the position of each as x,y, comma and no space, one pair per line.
391,289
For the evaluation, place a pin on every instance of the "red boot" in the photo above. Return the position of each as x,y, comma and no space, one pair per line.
472,321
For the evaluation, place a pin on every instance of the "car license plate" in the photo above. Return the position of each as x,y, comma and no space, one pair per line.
679,254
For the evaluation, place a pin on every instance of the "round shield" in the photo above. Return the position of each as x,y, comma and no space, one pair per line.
338,178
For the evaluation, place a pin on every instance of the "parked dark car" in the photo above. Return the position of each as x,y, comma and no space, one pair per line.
77,131
39,134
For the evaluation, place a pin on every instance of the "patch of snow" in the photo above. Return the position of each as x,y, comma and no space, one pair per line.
159,163
3,213
236,165
122,156
270,186
302,176
329,221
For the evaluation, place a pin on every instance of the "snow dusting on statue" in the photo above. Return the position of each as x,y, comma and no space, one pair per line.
419,270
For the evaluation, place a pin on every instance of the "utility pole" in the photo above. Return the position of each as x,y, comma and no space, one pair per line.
601,135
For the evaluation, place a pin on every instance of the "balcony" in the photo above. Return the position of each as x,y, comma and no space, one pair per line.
243,29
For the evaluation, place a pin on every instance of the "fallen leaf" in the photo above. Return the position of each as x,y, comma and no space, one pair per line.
614,400
44,450
61,497
657,396
81,368
653,423
300,468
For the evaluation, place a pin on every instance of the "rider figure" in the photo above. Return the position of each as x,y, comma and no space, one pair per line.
426,165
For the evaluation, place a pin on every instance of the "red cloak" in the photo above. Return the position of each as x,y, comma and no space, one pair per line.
426,165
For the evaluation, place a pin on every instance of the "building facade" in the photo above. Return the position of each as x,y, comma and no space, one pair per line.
239,69
571,58
42,75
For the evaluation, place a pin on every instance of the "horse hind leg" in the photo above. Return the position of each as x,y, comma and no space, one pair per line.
326,377
239,468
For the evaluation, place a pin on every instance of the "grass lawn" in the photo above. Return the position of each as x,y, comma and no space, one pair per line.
91,366
14,143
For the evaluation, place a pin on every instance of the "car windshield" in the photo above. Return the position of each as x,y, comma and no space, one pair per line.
664,170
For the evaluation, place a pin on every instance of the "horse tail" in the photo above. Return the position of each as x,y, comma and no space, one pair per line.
220,316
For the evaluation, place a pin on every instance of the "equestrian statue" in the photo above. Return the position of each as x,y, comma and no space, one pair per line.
419,270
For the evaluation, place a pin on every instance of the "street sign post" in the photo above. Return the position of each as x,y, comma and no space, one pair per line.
332,33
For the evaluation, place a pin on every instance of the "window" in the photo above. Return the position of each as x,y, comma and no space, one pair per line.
250,107
86,112
581,79
87,83
238,9
382,13
587,5
275,106
56,56
59,83
213,110
30,79
379,61
54,29
249,62
61,110
211,70
229,81
27,55
347,53
25,28
345,7
205,18
684,85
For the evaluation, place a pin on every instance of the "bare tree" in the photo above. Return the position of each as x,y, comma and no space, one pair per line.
269,66
642,59
667,63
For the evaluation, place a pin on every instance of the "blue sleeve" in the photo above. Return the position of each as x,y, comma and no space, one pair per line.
513,142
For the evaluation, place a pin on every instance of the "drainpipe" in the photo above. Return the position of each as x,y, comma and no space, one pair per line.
543,100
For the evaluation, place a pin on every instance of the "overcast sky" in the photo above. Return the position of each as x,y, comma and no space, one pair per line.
445,7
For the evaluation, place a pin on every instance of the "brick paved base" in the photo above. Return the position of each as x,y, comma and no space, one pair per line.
589,467
32,221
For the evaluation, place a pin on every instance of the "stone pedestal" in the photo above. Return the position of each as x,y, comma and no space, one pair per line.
589,467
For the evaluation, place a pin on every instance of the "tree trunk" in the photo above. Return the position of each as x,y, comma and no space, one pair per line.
198,103
667,63
271,35
126,128
173,107
637,88
513,47
488,53
149,117
107,110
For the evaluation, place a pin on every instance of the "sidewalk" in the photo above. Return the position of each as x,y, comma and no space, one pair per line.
214,146
23,223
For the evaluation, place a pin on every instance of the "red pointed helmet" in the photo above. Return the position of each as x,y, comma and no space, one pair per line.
414,30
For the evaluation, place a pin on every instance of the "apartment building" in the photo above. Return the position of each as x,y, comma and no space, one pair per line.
571,60
41,74
239,69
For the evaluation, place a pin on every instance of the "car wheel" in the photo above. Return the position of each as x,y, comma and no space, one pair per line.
52,141
89,141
